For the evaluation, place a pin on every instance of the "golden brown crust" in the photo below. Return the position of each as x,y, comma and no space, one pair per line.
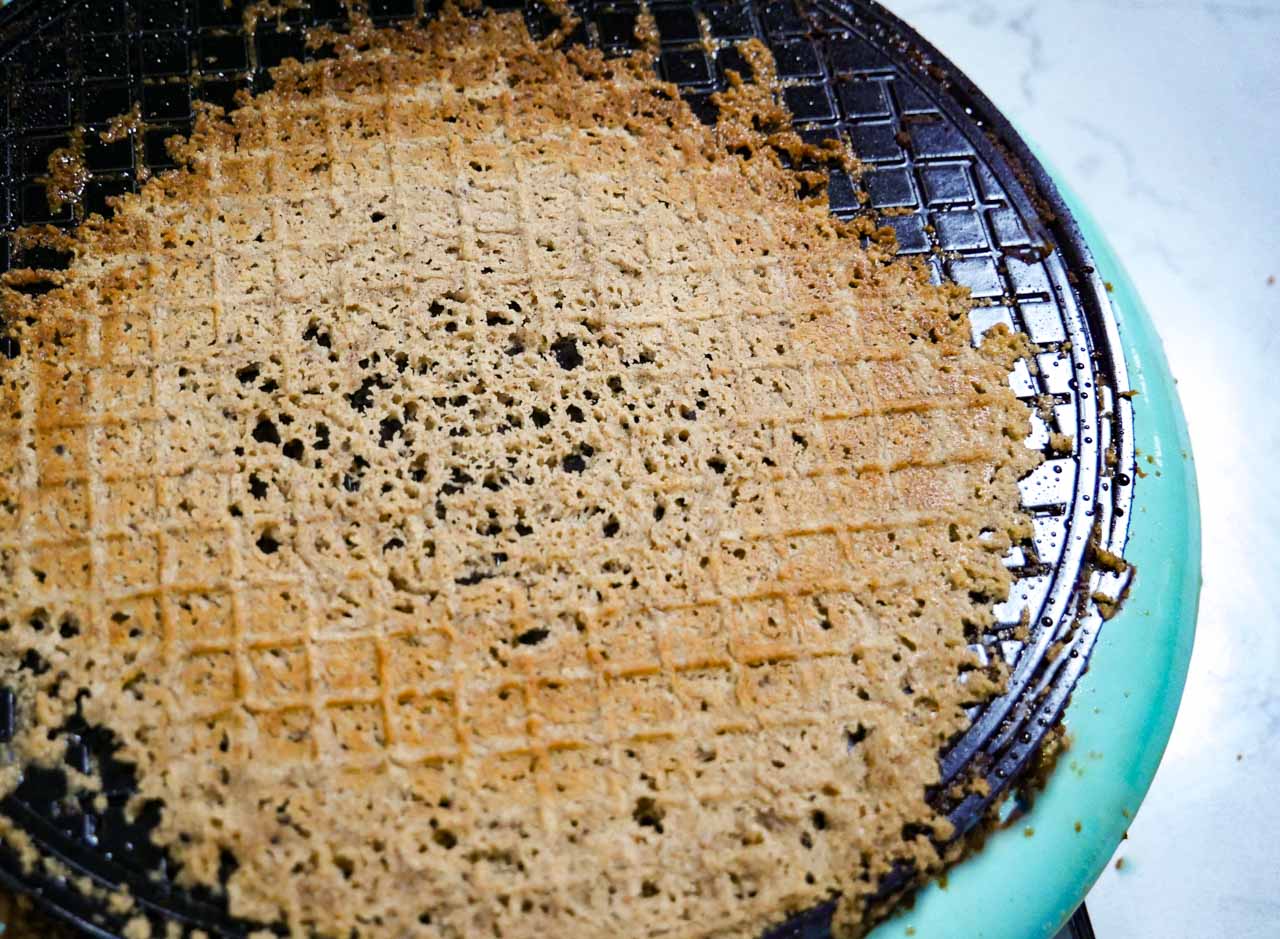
481,497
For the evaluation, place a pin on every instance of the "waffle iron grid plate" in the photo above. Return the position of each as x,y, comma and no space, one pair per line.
946,171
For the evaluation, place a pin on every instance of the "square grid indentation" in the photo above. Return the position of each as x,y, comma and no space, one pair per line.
970,222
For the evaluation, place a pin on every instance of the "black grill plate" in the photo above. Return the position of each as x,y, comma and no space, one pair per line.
950,175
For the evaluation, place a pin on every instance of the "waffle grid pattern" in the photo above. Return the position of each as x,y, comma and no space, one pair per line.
198,583
928,183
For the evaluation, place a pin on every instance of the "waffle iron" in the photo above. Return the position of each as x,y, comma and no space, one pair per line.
960,187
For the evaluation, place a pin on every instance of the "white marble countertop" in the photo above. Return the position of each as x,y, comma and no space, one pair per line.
1164,116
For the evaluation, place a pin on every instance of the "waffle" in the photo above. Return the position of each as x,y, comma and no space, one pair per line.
484,500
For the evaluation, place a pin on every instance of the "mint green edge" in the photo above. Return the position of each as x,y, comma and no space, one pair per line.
1029,878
